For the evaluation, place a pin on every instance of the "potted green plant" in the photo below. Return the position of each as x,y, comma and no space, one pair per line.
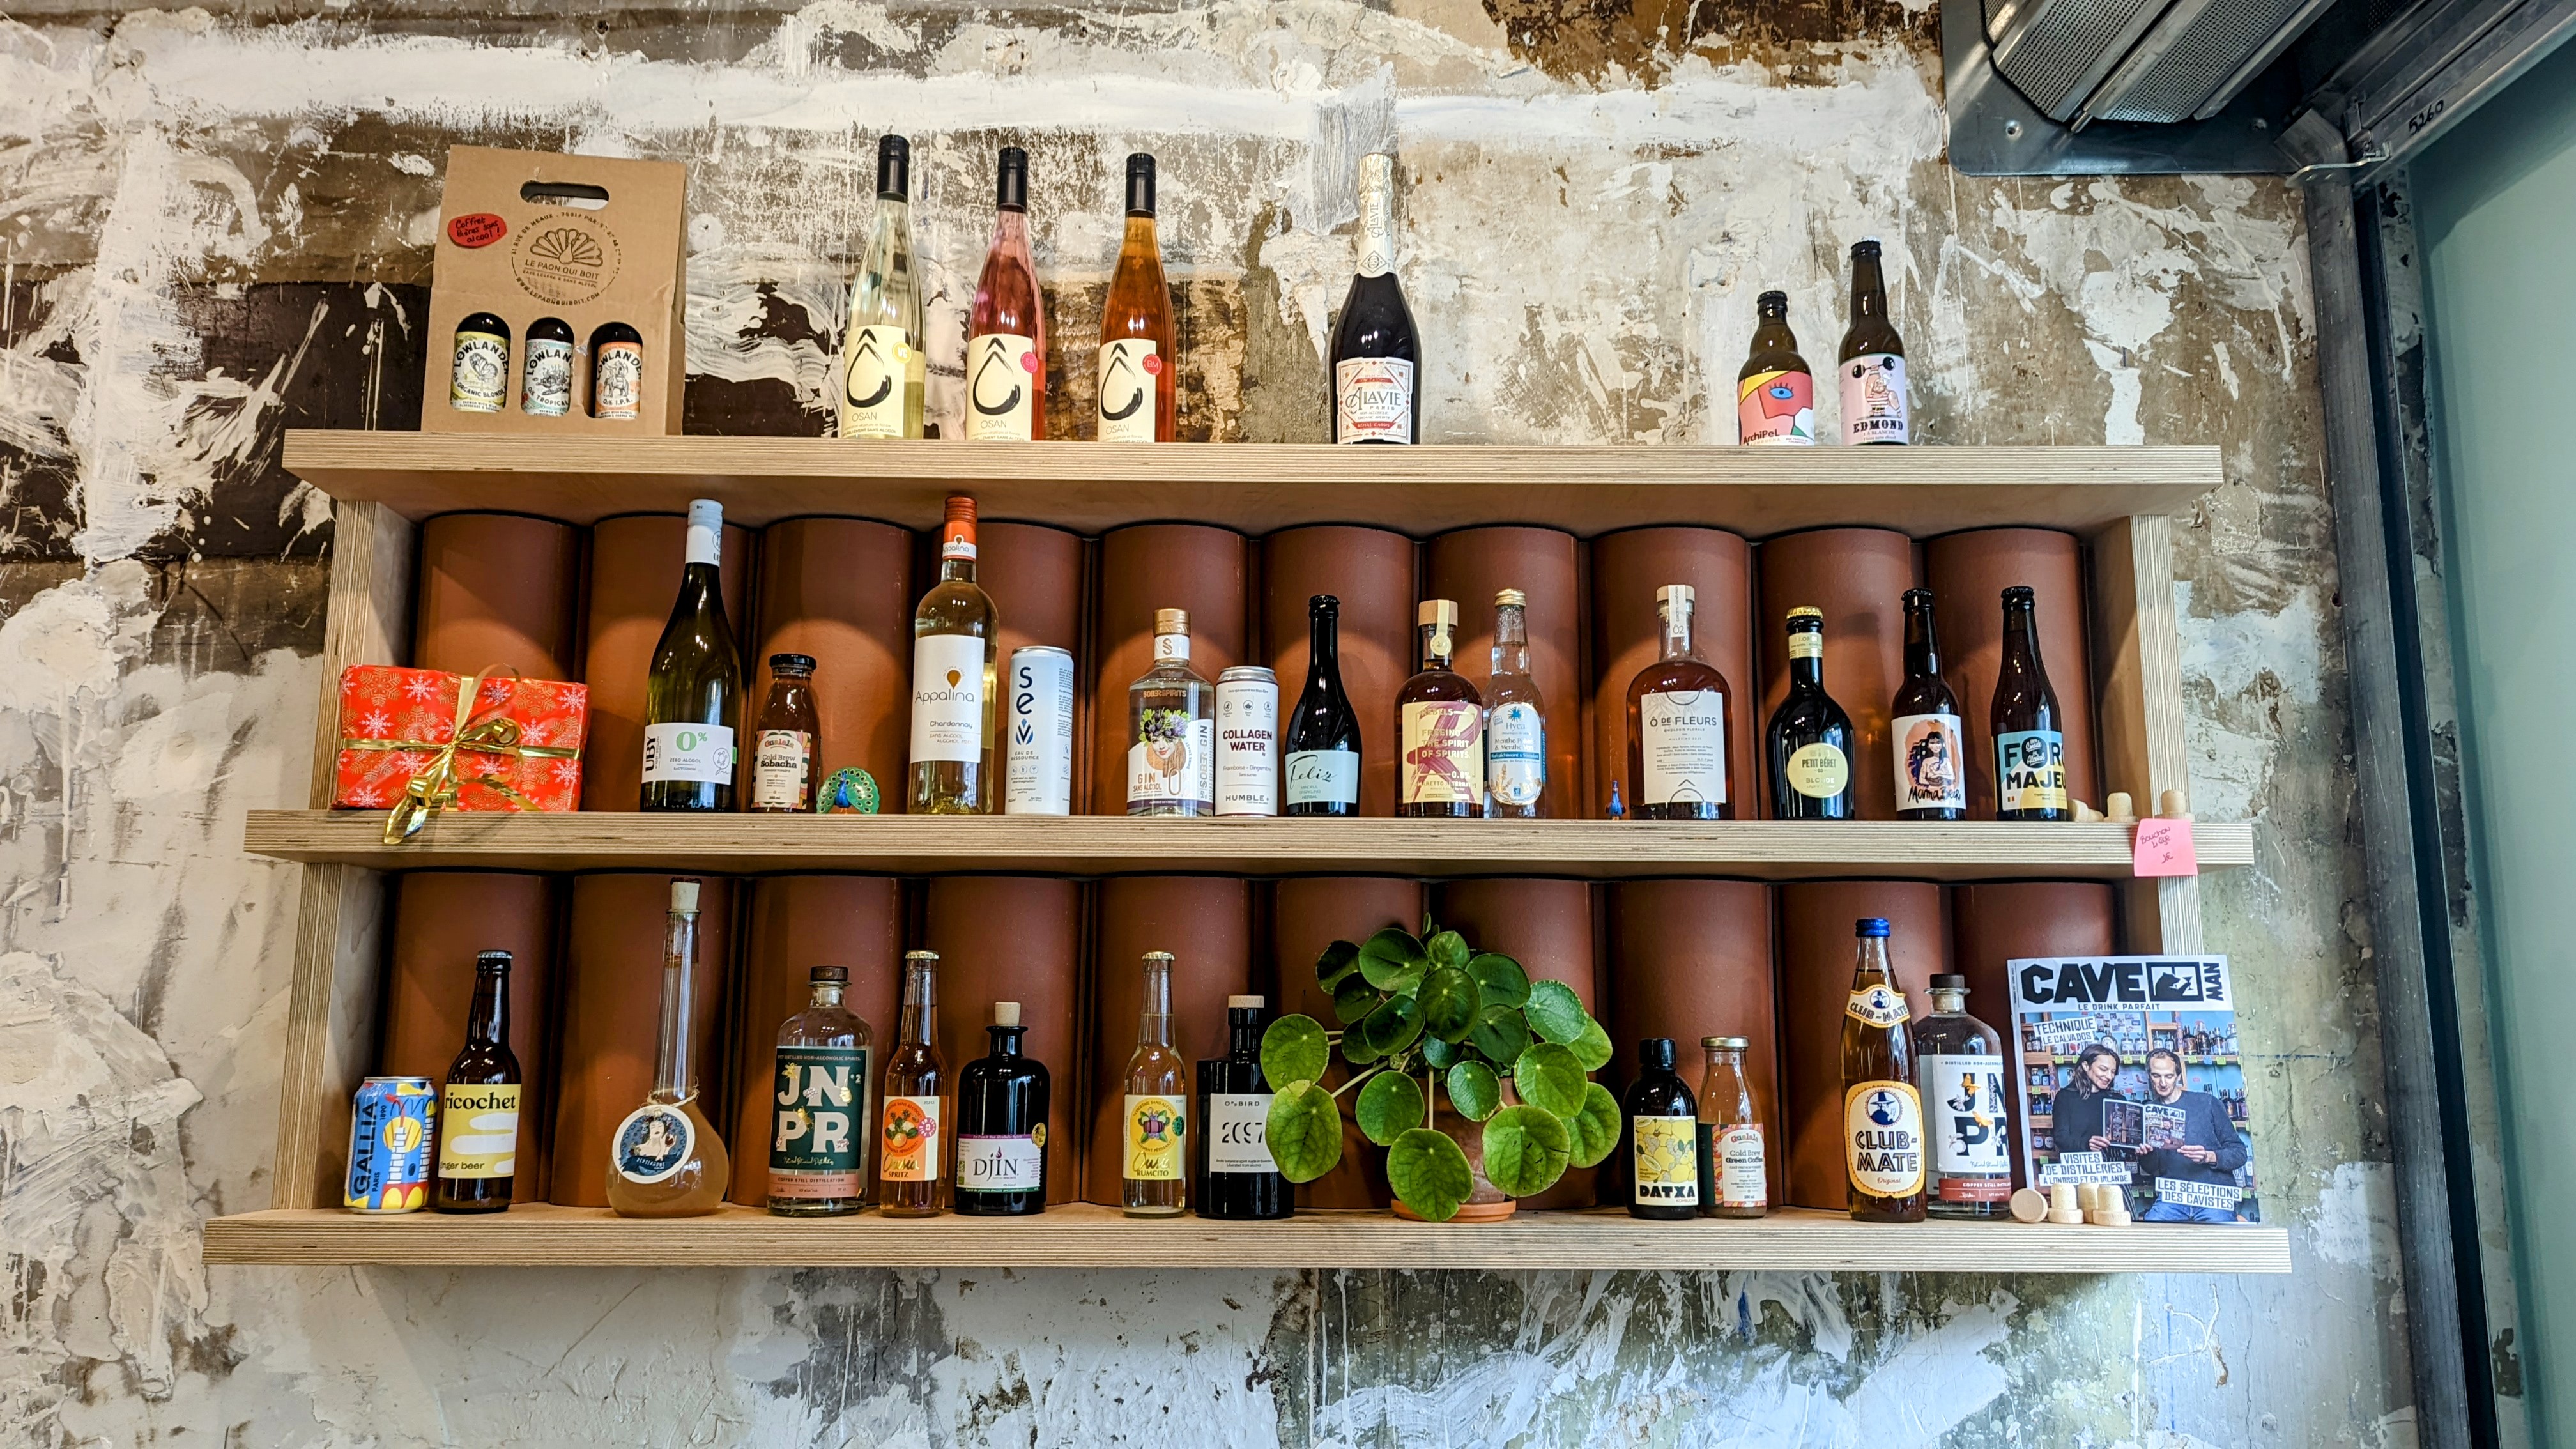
1427,1021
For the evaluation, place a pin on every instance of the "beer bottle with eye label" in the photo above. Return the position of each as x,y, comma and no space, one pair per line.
1882,1111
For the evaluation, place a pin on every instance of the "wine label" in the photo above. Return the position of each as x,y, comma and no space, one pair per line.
1175,761
1874,408
1129,368
1876,1005
1742,1166
816,1115
617,381
1965,1097
1373,400
1683,739
1001,388
1155,1133
1324,777
1009,1163
1883,1138
547,392
948,698
478,1130
699,753
1928,761
1443,762
908,1140
1247,747
2030,770
873,383
1818,771
653,1144
781,762
1238,1129
480,381
1515,753
1664,1161
1776,408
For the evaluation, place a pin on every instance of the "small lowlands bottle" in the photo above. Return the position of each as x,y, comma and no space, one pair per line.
1873,360
1734,1168
616,372
1663,1138
1323,735
2030,735
666,1159
1882,1110
1931,764
1171,741
956,641
478,380
821,1113
693,696
1237,1177
1775,395
478,1109
1006,329
545,383
1137,365
882,365
1377,377
1960,1070
1515,718
787,741
1678,710
1002,1125
913,1120
1439,728
1154,1125
1810,739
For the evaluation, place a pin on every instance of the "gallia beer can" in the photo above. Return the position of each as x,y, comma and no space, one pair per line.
1037,773
390,1132
1247,742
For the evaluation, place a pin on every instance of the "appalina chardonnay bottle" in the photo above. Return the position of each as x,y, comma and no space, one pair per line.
881,361
956,644
693,697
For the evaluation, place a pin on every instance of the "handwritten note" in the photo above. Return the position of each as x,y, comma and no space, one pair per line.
2163,847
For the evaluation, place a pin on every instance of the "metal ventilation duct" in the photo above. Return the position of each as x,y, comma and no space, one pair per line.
2079,61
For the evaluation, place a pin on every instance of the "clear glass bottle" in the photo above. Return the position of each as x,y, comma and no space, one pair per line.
1515,718
881,358
1006,343
666,1159
1439,728
1154,1129
1138,365
1734,1163
822,1108
913,1124
1680,713
1171,724
1959,1068
956,650
786,745
693,690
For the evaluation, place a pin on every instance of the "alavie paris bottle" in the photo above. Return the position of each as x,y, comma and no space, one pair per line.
666,1159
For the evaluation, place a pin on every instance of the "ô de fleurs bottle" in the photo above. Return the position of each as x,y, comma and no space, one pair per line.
1679,714
956,648
821,1109
1376,374
882,365
478,1105
1002,1125
1171,712
1137,363
693,693
1006,344
1439,727
913,1123
1321,737
666,1160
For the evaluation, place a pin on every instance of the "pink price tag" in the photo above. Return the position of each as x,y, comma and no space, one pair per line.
2164,847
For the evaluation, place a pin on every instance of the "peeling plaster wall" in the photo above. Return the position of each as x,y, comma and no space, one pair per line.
214,224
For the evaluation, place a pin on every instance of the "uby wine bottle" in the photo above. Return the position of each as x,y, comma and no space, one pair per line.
693,695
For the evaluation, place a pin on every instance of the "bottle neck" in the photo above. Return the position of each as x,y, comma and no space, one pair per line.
1006,1039
1869,293
1323,650
1872,969
1922,643
1011,232
1171,650
1377,223
919,1006
488,1020
1511,639
1724,1059
1437,643
2021,637
957,551
1952,1002
1140,237
825,996
1154,1022
674,1076
1243,1036
1677,632
1806,659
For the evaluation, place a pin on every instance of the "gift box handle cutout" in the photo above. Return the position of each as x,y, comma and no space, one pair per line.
575,194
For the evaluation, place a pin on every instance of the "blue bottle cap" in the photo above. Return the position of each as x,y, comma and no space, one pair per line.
1871,926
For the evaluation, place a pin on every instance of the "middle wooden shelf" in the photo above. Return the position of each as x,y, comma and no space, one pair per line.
1115,845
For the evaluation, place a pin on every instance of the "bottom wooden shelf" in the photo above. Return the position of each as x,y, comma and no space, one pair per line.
1082,1236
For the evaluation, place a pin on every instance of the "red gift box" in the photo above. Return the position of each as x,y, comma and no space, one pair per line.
521,746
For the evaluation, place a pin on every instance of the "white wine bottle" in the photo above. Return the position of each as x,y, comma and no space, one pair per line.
881,361
693,697
956,642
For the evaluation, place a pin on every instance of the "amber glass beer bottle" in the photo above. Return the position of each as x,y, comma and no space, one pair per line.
1882,1113
2029,733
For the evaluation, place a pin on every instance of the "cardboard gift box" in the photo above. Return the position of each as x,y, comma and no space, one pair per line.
515,745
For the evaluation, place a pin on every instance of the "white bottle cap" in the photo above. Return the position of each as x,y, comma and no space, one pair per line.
1245,1003
706,531
1006,1013
684,896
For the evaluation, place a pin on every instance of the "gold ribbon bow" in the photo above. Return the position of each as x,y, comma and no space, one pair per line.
436,786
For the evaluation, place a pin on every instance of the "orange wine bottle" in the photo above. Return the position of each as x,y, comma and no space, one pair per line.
1136,362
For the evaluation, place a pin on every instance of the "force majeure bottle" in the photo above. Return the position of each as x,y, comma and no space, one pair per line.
478,1105
882,366
1679,713
1882,1108
1137,366
1006,345
1171,741
666,1159
1002,1125
1321,740
956,648
1809,741
693,694
822,1105
1376,365
2029,733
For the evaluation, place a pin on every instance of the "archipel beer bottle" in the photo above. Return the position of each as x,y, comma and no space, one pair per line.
2029,733
1882,1112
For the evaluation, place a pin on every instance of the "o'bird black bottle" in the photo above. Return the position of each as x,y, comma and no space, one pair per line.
1237,1177
1002,1126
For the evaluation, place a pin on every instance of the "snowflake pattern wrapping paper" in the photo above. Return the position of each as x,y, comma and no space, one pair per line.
394,722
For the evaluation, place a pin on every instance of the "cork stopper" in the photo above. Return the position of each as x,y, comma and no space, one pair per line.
2063,1207
1006,1013
1246,1003
1171,621
2029,1205
2119,809
684,897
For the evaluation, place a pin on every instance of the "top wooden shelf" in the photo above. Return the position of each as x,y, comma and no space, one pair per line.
1258,487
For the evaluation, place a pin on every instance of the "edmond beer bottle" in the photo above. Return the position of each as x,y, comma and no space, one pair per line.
1882,1111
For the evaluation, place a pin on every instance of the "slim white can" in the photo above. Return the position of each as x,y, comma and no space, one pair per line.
1247,741
1037,771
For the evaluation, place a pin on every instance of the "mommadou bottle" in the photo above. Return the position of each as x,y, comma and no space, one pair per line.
1775,395
1872,367
1662,1128
956,645
1679,714
1322,736
1006,345
1809,741
1376,377
666,1159
1439,727
1923,736
1002,1125
1236,1176
821,1114
912,1126
693,696
478,1106
1515,718
1153,1126
1959,1067
1734,1167
881,357
1882,1109
2029,733
1137,365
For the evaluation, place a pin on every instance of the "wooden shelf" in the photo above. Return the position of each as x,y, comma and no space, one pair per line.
1259,487
1115,845
1082,1236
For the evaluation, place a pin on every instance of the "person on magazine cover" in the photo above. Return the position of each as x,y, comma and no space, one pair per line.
2075,1124
2210,1153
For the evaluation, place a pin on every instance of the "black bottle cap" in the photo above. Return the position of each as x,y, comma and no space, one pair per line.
1868,249
1771,303
1323,604
1011,181
2019,595
894,168
1918,598
552,329
1140,184
484,322
829,976
791,663
1655,1054
1949,982
492,961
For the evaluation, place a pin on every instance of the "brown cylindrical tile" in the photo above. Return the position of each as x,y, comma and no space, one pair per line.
1547,926
611,1013
1627,568
840,589
1969,573
497,590
1371,571
635,567
1015,938
1858,576
1470,566
1034,576
796,923
1689,959
2017,920
1817,949
1142,569
1206,923
1308,914
442,921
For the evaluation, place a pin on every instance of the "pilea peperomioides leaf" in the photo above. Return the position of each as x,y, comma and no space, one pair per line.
1294,1049
1429,1172
1304,1130
1389,1106
1525,1150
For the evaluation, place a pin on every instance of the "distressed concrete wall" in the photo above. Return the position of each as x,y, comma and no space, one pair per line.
214,224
